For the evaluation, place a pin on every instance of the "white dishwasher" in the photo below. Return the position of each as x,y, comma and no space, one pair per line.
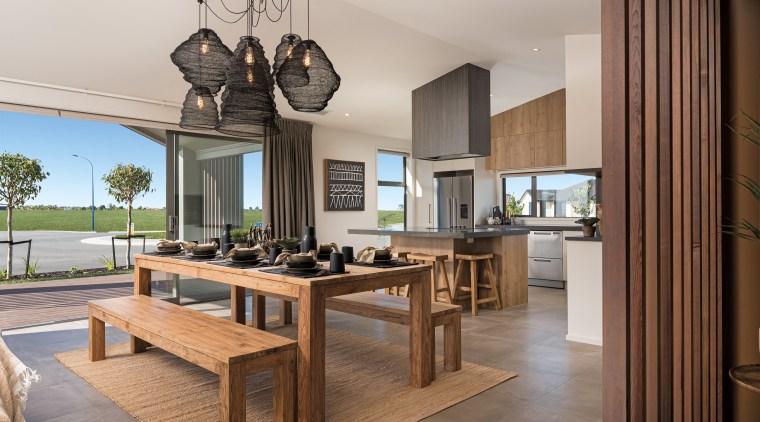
545,259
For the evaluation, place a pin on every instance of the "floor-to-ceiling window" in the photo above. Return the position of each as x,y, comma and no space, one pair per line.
217,181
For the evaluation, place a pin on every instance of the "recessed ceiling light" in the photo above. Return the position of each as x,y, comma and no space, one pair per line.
348,114
536,50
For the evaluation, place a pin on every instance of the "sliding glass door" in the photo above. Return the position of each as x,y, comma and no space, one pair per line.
208,190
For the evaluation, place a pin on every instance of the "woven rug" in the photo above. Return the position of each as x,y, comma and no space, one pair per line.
366,380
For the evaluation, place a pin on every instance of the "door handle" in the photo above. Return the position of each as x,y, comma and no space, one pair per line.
172,223
542,233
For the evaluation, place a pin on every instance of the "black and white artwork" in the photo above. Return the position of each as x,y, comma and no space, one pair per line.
344,185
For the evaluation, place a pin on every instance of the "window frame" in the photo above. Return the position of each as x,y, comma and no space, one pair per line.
388,183
595,173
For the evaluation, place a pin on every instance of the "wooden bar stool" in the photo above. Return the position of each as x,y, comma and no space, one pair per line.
396,291
439,268
474,285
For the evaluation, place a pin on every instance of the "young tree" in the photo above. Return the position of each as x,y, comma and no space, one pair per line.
125,183
20,179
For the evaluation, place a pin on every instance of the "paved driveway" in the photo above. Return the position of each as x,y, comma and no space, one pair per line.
59,251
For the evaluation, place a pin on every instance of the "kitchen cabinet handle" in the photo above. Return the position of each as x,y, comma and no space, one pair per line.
542,260
543,233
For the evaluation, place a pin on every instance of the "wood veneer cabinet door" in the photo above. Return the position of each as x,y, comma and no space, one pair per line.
550,148
519,151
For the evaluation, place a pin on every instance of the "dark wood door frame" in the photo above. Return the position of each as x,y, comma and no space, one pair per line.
662,253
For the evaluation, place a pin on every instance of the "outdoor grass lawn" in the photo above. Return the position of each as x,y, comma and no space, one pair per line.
116,220
105,220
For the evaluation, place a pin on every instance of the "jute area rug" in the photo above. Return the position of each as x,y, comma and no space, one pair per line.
366,380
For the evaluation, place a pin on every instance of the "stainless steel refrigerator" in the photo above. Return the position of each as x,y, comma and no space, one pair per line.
454,199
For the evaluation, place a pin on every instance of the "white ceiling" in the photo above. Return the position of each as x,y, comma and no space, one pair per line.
381,49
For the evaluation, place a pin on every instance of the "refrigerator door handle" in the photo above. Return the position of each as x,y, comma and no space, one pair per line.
451,217
456,216
430,210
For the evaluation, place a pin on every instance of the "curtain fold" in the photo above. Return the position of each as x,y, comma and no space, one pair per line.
288,179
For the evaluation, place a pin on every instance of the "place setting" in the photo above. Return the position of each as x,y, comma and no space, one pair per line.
307,265
378,258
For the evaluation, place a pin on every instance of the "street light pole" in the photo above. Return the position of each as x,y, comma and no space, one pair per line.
92,176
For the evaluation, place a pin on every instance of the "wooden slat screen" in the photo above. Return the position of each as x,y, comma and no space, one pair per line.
661,163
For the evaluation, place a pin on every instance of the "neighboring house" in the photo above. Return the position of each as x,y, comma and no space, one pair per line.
3,207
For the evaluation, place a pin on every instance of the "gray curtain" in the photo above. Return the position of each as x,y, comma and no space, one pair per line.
288,192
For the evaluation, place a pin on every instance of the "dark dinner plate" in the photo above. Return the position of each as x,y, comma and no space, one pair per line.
201,257
168,251
305,270
203,253
249,258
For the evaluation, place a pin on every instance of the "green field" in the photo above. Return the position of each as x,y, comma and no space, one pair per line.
105,220
116,220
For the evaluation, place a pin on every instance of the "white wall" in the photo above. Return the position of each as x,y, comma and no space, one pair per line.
583,82
336,144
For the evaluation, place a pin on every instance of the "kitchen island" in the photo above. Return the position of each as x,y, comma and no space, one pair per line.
509,247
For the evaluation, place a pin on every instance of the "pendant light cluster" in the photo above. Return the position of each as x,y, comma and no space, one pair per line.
301,69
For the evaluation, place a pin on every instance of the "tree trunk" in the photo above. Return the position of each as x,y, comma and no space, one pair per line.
129,232
9,262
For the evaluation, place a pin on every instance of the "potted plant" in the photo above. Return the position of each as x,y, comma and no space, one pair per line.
239,237
513,208
582,202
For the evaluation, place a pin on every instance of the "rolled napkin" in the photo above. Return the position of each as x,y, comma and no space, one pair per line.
332,246
257,250
170,243
287,256
202,247
368,254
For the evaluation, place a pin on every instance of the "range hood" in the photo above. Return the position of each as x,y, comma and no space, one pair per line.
451,116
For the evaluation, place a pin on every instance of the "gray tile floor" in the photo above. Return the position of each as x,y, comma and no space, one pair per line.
558,380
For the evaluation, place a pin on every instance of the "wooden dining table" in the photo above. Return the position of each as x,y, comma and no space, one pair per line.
310,293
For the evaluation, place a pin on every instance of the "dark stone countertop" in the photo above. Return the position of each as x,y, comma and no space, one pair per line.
534,227
443,233
583,239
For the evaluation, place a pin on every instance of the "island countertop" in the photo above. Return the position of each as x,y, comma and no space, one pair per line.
445,233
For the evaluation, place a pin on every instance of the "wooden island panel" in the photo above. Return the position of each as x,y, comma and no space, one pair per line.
510,259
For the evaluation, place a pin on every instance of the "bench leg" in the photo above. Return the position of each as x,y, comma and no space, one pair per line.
452,343
97,339
285,388
137,345
286,312
259,310
232,393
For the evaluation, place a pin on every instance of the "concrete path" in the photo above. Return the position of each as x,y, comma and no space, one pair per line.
59,251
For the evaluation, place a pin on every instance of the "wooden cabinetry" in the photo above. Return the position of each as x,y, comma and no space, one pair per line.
529,135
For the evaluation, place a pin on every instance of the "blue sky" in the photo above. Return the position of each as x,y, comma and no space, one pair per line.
53,140
390,168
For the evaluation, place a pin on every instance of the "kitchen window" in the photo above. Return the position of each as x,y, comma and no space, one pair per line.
554,194
391,190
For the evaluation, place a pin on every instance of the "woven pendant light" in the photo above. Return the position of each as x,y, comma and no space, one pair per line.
199,110
296,75
248,105
323,80
203,60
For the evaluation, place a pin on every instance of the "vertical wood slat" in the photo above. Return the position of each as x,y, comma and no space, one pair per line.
661,143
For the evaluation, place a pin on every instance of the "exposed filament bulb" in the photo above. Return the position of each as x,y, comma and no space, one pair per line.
201,103
249,77
290,49
307,58
204,46
249,55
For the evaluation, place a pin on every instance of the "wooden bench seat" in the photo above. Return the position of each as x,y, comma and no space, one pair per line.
395,309
226,348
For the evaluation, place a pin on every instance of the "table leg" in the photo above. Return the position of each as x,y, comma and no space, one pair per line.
237,304
420,354
259,304
311,354
286,312
142,287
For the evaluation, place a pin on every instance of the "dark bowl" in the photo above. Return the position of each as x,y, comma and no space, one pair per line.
300,265
245,258
204,253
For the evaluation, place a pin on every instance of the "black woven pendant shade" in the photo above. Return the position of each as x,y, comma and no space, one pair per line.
295,76
248,106
203,60
323,80
199,110
246,114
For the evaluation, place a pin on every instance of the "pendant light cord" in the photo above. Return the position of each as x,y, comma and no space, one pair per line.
308,19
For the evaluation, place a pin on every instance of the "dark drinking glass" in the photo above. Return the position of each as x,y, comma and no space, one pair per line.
274,252
348,254
337,264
